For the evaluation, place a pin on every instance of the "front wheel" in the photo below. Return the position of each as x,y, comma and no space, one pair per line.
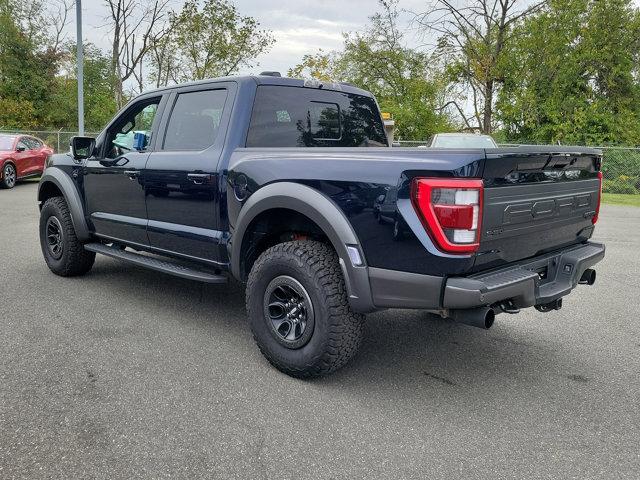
299,312
9,176
62,250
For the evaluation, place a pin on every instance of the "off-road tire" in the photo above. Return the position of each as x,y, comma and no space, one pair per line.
337,331
74,260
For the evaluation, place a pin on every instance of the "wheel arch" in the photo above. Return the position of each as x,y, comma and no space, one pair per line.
322,212
54,182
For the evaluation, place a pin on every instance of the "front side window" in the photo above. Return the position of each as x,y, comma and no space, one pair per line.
133,130
32,143
195,120
304,117
23,145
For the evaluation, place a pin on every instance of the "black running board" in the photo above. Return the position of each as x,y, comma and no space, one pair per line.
156,264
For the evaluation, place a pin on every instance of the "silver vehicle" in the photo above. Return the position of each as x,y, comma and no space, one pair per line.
462,140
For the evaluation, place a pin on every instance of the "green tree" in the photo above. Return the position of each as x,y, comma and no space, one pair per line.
572,76
26,71
208,39
474,38
321,66
405,81
100,104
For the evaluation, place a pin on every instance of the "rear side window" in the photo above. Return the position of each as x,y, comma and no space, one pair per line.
304,117
195,120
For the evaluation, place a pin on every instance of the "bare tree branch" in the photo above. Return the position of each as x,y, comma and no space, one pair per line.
476,33
133,35
59,21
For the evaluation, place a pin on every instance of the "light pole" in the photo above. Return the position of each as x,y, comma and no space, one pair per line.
80,61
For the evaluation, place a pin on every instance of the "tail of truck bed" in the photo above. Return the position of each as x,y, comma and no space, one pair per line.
536,200
529,201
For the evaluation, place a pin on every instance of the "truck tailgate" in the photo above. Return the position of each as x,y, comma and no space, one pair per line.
535,201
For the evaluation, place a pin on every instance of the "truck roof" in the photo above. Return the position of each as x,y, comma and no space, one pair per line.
273,80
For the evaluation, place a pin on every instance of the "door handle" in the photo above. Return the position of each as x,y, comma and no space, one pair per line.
199,178
132,174
115,162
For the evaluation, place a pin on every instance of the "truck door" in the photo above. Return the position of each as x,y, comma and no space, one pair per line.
113,180
181,177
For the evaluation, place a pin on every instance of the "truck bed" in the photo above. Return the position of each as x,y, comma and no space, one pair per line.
536,199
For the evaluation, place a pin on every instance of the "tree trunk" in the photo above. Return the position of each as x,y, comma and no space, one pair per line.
488,108
116,78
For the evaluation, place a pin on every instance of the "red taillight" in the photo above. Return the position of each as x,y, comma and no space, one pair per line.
451,211
594,219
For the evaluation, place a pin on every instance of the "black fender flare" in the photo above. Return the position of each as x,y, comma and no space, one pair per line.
71,195
323,212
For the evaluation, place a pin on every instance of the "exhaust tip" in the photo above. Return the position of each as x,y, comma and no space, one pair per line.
476,317
489,318
588,277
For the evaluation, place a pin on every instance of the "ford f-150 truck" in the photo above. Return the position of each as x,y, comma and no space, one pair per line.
290,187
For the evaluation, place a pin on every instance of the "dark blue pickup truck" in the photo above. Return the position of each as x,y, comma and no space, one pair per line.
291,187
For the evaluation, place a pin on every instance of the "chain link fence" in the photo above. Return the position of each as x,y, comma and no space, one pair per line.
56,139
620,167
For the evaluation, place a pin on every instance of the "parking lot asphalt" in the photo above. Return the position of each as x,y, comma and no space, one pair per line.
127,373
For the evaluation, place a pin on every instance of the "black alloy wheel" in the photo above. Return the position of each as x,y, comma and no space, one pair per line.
289,311
55,239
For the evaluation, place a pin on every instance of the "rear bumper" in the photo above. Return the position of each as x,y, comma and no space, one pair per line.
523,283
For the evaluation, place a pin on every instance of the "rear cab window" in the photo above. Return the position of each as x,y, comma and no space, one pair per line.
303,117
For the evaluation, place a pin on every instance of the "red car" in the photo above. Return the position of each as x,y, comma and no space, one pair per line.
21,156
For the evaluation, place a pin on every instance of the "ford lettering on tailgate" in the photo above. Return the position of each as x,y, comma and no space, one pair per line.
527,211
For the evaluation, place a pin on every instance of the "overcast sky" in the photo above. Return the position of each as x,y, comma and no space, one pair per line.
299,26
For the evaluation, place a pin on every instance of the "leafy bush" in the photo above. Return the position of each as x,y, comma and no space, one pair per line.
622,184
619,162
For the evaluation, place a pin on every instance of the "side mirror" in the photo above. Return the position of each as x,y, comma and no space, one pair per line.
82,147
20,149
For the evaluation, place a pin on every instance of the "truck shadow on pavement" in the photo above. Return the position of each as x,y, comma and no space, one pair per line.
406,346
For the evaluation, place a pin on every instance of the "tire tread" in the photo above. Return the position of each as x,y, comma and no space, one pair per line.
345,327
77,260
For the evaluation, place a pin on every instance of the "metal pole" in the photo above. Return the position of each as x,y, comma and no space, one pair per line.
80,61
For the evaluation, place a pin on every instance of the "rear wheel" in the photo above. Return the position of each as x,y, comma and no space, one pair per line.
9,176
299,312
62,250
